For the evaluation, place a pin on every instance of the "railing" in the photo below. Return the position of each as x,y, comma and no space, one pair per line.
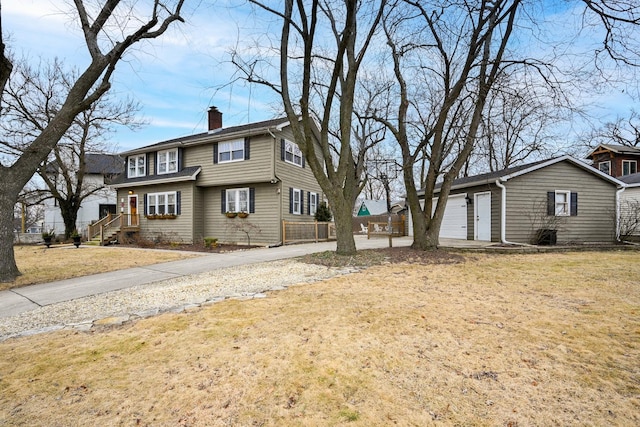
111,224
95,229
297,232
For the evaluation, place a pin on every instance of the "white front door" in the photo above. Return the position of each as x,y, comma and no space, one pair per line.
482,213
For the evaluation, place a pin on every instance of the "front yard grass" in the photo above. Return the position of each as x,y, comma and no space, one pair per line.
478,339
40,265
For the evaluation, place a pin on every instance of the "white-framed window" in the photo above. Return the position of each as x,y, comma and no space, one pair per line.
231,151
137,166
237,200
292,153
605,167
296,201
563,198
629,167
161,203
167,161
313,203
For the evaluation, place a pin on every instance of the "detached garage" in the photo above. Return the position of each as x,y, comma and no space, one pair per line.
514,205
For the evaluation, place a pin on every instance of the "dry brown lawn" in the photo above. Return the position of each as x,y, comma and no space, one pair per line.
496,340
40,265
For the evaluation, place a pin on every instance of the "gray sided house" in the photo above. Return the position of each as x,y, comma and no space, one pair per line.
232,184
517,205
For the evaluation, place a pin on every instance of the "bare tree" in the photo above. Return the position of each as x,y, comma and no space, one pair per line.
32,98
516,125
322,48
109,31
448,58
624,130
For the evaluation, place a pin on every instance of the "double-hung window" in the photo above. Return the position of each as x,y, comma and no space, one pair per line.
231,151
629,167
296,201
562,203
167,161
292,153
237,200
136,166
313,203
161,203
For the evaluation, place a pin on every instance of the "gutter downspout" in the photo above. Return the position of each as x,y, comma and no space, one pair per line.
618,212
276,180
503,215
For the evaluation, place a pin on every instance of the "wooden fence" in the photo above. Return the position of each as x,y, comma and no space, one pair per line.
298,232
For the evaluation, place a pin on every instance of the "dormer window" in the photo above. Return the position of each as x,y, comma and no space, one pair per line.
605,167
136,166
167,161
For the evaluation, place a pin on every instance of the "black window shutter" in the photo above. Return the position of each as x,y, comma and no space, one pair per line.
155,163
246,148
551,203
574,204
252,200
144,199
147,166
309,202
180,154
290,200
301,202
178,210
302,156
223,199
215,153
281,149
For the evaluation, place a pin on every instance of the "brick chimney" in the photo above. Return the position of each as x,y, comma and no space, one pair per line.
215,118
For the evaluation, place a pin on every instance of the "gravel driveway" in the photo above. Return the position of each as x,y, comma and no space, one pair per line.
248,281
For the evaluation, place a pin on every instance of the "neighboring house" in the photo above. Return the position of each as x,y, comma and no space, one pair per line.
630,206
565,195
182,189
100,170
615,160
372,207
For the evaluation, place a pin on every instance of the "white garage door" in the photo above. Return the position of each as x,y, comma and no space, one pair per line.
454,223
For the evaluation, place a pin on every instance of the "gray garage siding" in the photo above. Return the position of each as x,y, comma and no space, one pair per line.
526,197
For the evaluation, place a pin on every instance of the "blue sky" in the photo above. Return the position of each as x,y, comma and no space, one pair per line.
174,78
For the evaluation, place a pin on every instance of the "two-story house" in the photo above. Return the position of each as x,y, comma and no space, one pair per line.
227,183
615,160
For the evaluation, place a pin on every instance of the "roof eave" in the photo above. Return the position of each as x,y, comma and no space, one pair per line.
191,177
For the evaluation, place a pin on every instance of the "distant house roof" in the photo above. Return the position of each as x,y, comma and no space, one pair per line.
97,163
214,135
509,173
618,149
630,180
104,163
372,207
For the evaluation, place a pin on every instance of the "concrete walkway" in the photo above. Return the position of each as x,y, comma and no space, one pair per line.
27,298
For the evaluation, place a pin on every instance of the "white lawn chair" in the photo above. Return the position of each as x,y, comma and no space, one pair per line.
363,229
377,228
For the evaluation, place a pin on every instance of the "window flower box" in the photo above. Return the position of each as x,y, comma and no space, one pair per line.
243,214
162,216
231,214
